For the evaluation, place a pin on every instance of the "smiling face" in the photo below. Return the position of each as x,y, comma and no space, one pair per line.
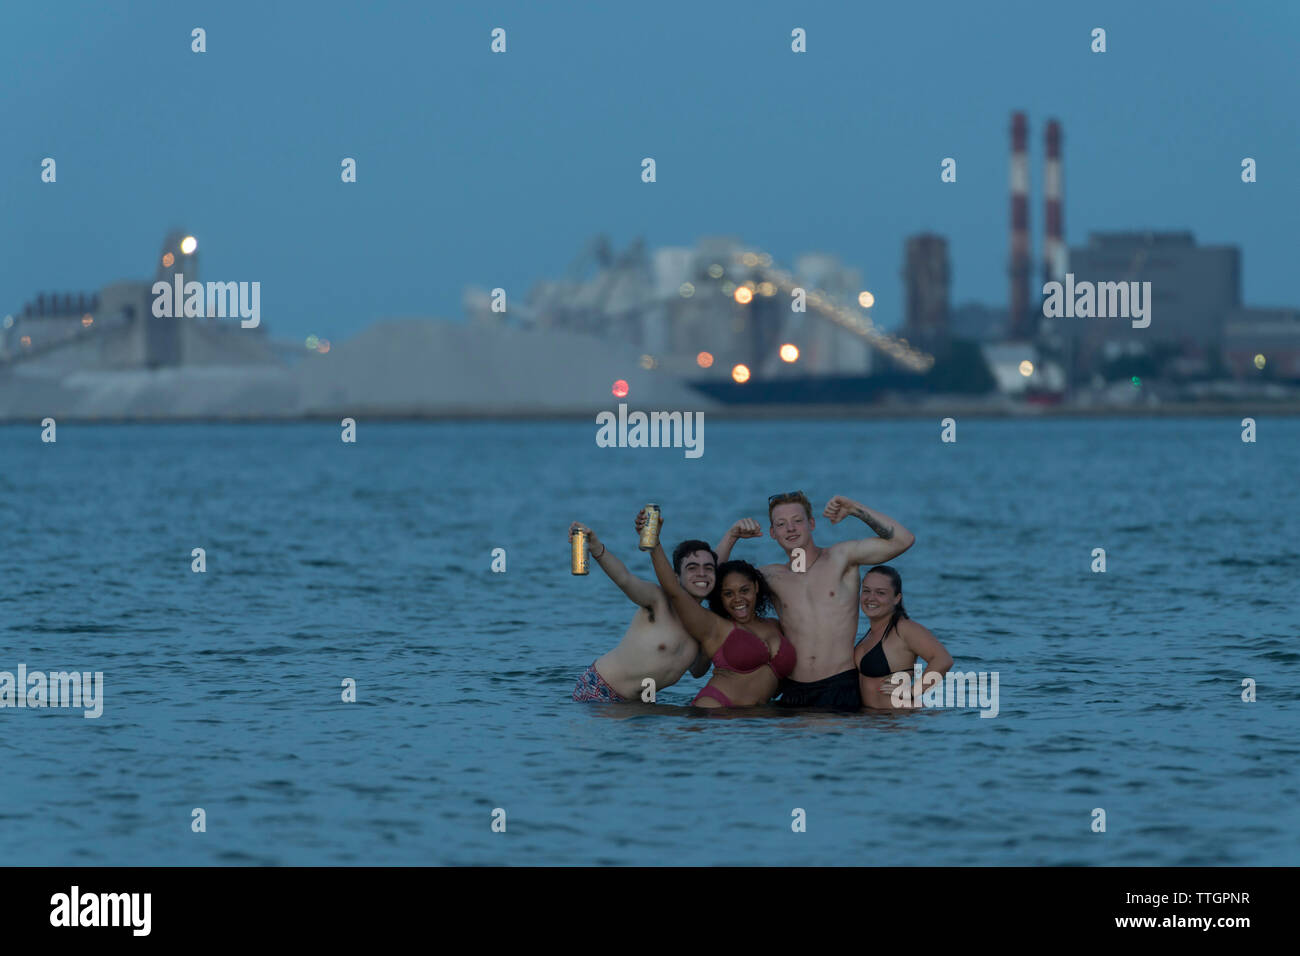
738,595
697,574
792,527
878,598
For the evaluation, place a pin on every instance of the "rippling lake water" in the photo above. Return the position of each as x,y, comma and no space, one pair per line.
326,561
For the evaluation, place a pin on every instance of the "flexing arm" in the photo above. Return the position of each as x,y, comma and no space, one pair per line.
744,528
891,541
702,625
644,593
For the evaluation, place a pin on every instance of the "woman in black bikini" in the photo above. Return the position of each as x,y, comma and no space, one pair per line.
893,641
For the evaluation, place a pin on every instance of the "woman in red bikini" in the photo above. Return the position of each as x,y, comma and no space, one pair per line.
750,654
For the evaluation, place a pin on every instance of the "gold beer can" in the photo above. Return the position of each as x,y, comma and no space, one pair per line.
650,531
578,540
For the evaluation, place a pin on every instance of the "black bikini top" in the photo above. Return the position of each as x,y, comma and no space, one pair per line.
874,663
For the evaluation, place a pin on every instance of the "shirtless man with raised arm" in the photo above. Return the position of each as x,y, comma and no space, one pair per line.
817,592
655,645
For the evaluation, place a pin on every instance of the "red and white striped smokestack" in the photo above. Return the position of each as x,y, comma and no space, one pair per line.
1019,298
1054,265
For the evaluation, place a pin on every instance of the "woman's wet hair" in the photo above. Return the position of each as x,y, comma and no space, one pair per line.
762,593
897,581
690,547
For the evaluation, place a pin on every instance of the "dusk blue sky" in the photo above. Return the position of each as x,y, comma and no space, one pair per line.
494,170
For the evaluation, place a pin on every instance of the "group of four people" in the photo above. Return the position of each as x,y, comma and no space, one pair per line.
807,653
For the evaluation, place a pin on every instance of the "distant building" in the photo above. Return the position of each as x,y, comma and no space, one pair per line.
115,329
701,312
926,280
978,322
49,317
1273,334
1005,360
823,346
1193,290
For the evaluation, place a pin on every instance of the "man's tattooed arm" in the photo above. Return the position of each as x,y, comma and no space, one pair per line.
873,521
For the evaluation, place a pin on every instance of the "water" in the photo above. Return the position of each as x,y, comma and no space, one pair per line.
328,561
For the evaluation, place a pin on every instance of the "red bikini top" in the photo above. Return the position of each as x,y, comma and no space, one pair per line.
745,652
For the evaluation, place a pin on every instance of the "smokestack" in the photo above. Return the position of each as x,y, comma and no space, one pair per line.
1018,302
1054,265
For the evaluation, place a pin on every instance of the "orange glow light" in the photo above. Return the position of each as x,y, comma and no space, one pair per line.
87,320
740,374
704,359
620,389
789,353
168,259
743,295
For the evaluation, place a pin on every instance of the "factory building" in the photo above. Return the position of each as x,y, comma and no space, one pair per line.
926,281
1262,342
115,329
1193,290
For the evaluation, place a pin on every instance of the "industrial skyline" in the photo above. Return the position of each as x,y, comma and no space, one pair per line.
540,148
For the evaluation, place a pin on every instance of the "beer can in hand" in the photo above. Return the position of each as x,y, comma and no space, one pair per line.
650,530
578,540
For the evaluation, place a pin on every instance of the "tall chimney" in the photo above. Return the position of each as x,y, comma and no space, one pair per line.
1018,302
1054,264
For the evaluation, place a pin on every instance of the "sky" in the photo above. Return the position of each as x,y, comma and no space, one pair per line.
493,170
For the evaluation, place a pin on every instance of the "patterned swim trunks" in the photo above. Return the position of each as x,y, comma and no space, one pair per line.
591,686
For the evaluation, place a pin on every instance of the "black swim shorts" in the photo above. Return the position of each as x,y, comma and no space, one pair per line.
838,692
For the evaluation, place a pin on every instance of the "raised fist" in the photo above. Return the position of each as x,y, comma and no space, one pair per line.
839,508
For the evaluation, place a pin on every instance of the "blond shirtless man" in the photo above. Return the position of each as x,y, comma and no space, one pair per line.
816,592
655,645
